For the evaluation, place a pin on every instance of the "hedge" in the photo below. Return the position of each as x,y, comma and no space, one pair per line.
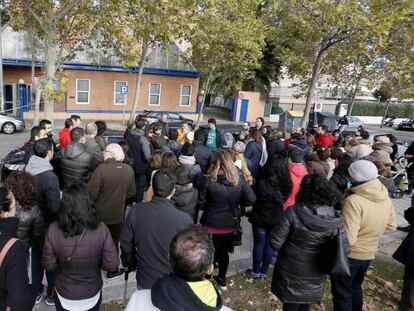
377,109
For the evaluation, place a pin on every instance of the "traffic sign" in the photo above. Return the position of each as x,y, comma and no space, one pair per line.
124,89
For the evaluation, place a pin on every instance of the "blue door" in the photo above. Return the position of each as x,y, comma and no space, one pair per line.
243,110
23,99
234,109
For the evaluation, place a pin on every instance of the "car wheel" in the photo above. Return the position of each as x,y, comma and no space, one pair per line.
8,128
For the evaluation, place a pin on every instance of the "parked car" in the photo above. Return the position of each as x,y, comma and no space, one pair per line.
10,124
353,122
174,120
406,124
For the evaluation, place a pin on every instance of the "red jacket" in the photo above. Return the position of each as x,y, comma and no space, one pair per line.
325,140
64,138
297,172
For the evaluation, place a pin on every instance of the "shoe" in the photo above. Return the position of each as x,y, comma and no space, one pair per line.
404,229
253,275
39,297
50,301
264,276
115,274
221,282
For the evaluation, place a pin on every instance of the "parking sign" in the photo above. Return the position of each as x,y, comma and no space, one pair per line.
124,89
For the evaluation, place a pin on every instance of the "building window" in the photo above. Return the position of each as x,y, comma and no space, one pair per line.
83,88
154,94
119,98
185,95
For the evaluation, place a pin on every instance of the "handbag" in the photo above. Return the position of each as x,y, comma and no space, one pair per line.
3,254
238,230
340,264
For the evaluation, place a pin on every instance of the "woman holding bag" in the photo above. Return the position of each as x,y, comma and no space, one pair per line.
303,237
224,190
77,247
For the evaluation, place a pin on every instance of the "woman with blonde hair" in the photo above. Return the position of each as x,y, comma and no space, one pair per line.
224,190
240,161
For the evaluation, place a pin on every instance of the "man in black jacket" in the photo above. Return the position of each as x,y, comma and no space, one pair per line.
77,163
149,229
36,133
202,153
49,203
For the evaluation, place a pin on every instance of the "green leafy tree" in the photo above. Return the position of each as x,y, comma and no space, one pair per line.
227,44
132,28
383,93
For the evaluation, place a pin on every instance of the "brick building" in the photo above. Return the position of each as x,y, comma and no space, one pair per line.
95,82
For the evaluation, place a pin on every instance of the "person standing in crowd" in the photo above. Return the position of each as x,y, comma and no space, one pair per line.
48,127
15,291
157,140
140,153
25,192
394,146
360,144
300,236
149,228
271,190
165,128
323,138
214,137
297,171
202,153
384,176
275,145
49,203
297,138
317,163
185,196
78,246
77,164
223,191
169,161
182,133
190,255
343,123
111,185
340,177
36,133
76,119
100,139
245,132
405,255
256,153
173,145
64,134
187,159
91,145
381,150
260,122
368,212
240,162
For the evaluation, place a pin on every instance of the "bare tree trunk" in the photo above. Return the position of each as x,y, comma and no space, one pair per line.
51,54
351,105
145,47
385,113
311,88
204,99
38,94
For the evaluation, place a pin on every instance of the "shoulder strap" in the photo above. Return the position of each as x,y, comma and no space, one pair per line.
6,249
69,258
228,201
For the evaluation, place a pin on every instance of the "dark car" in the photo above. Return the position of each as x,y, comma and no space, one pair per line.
174,120
406,124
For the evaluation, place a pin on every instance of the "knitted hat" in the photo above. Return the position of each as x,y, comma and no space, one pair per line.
362,170
382,139
239,147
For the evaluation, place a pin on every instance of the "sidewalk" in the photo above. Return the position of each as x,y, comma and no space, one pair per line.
241,259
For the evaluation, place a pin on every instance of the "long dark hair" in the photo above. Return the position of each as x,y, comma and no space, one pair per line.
344,162
317,190
77,212
279,176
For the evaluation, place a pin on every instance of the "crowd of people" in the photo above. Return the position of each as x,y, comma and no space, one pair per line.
167,204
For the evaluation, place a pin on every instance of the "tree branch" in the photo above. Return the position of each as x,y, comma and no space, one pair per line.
66,9
37,18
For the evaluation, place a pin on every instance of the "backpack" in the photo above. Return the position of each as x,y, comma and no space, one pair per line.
13,161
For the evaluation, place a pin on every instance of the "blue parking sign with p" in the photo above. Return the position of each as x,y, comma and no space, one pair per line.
124,89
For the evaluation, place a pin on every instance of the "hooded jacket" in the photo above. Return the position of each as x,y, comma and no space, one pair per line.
77,164
139,150
303,238
170,293
93,147
297,172
316,166
359,148
185,199
368,212
48,184
172,146
203,156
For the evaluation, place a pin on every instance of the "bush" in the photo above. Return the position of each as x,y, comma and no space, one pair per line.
377,109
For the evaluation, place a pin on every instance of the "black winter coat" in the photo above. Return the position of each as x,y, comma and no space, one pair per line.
268,207
172,146
301,236
275,146
203,156
31,225
77,164
185,199
49,198
405,253
15,290
340,181
218,206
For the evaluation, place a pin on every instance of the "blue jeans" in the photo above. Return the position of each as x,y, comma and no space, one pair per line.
262,251
347,291
38,272
140,185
